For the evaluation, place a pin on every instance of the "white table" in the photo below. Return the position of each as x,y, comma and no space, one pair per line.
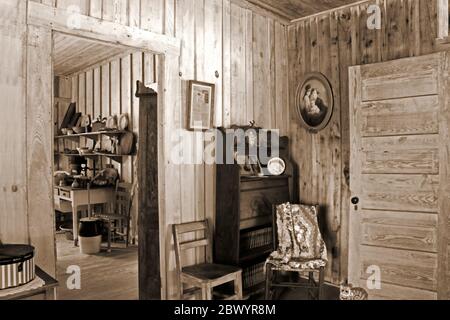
79,197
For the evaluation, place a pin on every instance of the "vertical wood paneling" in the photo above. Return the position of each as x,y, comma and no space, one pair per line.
40,142
13,155
95,9
134,12
218,36
238,84
330,43
186,24
213,63
152,15
226,65
261,74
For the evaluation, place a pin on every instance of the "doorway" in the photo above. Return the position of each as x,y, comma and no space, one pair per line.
99,99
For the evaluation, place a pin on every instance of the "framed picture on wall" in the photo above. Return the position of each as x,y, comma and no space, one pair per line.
201,105
315,102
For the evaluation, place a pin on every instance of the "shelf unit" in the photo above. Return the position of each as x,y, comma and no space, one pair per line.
244,221
92,136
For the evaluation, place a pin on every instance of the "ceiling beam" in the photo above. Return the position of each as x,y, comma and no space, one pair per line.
100,30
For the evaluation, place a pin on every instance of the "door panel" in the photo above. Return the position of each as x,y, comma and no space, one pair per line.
417,115
399,171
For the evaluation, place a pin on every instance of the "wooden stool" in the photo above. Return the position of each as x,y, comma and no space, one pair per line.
204,277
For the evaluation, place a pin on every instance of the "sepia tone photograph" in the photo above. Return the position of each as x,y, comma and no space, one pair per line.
252,151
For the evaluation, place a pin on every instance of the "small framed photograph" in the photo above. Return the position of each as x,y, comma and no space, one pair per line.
201,105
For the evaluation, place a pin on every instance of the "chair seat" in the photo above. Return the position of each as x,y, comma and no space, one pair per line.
207,272
296,265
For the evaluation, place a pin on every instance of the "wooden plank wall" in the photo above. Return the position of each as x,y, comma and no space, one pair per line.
13,153
330,43
247,49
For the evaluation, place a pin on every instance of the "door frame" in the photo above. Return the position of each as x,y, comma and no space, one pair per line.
42,21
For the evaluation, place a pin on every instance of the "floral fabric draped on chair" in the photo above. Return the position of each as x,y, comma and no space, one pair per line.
300,243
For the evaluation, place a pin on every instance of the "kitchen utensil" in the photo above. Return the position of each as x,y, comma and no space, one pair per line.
79,130
124,121
85,121
68,116
126,143
276,166
111,123
84,151
74,121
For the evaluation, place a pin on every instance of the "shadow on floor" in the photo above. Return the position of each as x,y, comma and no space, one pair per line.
329,293
104,276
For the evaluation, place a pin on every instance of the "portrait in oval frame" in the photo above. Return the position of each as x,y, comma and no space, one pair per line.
315,102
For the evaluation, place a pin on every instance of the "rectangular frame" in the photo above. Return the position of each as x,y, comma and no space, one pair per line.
193,116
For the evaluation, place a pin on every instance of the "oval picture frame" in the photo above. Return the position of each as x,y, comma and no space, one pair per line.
315,102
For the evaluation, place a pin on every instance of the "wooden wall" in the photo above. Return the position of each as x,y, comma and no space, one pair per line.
244,45
330,43
13,153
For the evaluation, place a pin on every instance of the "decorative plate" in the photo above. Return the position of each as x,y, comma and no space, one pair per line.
276,166
123,122
111,123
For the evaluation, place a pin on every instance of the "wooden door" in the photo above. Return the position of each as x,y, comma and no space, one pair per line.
399,177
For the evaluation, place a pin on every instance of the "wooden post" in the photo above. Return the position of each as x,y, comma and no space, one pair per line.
148,225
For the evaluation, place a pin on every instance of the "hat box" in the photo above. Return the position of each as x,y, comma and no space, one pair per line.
16,265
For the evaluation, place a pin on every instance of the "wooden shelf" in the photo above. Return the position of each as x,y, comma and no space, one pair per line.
115,157
264,251
91,135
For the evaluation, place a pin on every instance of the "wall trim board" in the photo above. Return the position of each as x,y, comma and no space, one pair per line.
96,29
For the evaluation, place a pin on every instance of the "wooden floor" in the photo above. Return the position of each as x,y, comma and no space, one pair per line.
106,276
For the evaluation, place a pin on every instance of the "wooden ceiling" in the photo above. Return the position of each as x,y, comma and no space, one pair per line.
295,9
74,54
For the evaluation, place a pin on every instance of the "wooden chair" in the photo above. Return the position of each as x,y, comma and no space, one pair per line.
273,273
119,217
204,277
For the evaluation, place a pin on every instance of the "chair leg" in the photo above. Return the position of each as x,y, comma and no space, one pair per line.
180,290
207,292
109,236
127,241
321,283
268,282
238,287
311,288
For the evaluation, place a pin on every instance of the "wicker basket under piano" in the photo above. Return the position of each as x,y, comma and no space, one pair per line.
244,223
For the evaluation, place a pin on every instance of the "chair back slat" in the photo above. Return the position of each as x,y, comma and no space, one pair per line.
191,227
123,199
194,244
203,242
